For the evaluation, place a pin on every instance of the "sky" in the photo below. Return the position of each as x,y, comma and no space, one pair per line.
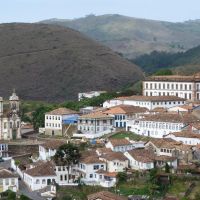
37,10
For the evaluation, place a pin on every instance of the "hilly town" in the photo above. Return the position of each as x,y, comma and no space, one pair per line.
137,147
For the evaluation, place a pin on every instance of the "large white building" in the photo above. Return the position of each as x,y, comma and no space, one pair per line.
10,121
94,125
149,102
56,119
187,87
159,125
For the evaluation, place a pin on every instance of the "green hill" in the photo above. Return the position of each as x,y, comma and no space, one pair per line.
182,63
53,63
134,37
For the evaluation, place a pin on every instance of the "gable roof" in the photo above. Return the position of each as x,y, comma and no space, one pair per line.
62,111
105,195
91,160
125,109
45,169
96,115
150,98
142,155
4,173
119,142
110,156
186,134
170,117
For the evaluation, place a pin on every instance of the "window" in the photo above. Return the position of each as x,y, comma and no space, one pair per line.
104,121
10,124
37,181
146,85
61,177
65,177
91,175
5,125
185,86
13,181
95,167
176,86
43,181
46,117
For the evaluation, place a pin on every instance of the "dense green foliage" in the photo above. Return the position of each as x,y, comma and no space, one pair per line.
122,177
184,62
164,72
67,155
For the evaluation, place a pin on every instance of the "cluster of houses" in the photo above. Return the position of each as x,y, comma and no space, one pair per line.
167,116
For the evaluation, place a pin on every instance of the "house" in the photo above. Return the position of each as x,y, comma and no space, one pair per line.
174,85
3,149
169,147
187,108
89,95
149,102
119,145
94,125
194,127
185,136
159,125
144,159
115,161
88,166
8,181
56,119
40,176
105,195
123,113
49,148
140,159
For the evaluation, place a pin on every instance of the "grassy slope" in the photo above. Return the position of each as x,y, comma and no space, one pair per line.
133,37
52,63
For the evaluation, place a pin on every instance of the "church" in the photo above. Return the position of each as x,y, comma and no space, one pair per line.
10,121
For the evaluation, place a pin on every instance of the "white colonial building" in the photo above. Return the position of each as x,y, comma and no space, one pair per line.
49,148
123,113
56,119
8,181
94,125
90,94
149,102
187,87
186,137
159,125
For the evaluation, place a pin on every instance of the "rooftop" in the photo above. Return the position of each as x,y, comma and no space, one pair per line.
142,155
150,98
110,156
177,78
170,117
62,111
125,109
45,169
4,173
186,134
119,142
96,115
105,195
90,160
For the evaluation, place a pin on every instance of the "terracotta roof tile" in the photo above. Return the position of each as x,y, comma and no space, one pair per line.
114,156
105,195
4,173
91,160
125,109
96,115
151,98
186,134
46,169
119,142
62,111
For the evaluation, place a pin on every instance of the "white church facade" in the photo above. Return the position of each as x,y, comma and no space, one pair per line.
10,121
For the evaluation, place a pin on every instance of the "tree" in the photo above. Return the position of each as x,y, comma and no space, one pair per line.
67,155
122,177
164,72
38,116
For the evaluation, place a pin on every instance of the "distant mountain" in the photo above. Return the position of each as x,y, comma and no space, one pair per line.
53,63
133,37
182,63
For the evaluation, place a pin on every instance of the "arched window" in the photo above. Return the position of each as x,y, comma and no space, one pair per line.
43,181
37,181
